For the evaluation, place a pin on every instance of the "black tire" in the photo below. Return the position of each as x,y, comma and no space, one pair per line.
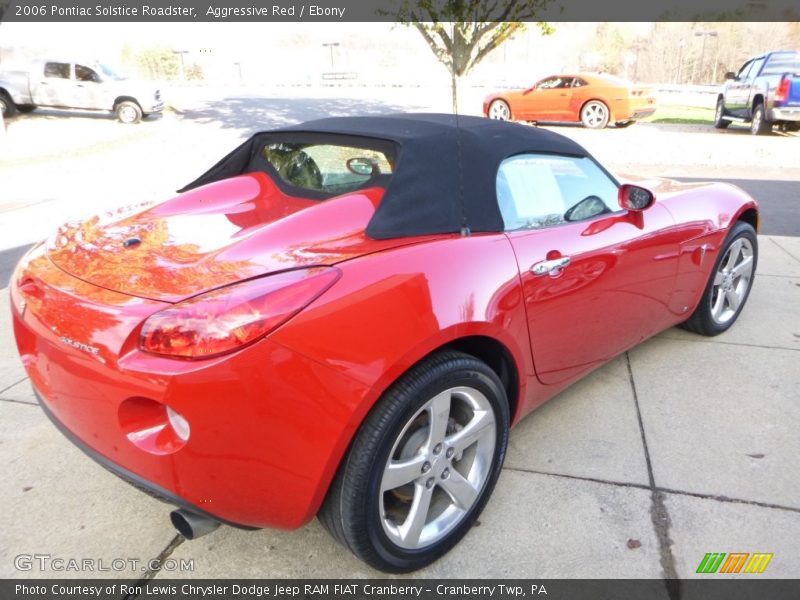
26,108
352,511
7,107
759,125
624,124
719,113
128,112
500,110
703,320
595,114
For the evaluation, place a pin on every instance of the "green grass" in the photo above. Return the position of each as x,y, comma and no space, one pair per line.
678,113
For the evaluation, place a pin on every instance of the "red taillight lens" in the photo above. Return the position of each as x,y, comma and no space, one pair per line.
782,92
232,317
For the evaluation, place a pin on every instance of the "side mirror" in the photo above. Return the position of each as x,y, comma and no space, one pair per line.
635,198
730,75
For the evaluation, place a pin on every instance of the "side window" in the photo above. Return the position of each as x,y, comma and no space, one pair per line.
56,70
543,190
85,74
755,68
578,82
552,83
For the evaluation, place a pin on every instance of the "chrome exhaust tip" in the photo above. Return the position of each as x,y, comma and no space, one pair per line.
191,525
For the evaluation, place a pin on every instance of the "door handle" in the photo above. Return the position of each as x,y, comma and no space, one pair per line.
546,267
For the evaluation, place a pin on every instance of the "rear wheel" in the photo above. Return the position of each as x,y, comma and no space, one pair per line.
719,113
499,110
594,115
759,125
422,465
7,107
729,285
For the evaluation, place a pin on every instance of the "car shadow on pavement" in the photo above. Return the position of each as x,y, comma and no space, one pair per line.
252,114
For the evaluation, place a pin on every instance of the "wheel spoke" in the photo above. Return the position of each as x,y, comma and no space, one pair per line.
480,425
732,298
401,472
417,515
743,268
460,490
719,278
733,255
439,414
719,304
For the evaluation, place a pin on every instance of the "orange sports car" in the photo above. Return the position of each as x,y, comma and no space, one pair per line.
593,99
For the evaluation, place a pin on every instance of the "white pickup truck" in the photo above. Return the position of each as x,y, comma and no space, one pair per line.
87,86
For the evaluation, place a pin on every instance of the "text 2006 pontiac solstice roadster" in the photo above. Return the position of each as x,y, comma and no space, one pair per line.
345,317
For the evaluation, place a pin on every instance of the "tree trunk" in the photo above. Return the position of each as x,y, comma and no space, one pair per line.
454,91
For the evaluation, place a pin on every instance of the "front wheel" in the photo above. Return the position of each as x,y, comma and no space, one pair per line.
128,112
422,465
719,121
729,285
594,115
759,125
499,110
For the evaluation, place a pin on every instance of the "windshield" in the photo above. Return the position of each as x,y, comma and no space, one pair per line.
108,73
782,62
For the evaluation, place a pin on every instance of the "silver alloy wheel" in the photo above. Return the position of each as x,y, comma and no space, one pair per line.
499,110
732,281
594,114
437,468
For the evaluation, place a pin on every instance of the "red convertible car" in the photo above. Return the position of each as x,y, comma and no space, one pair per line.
345,317
593,99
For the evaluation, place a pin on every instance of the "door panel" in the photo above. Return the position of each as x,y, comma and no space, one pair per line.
596,279
613,293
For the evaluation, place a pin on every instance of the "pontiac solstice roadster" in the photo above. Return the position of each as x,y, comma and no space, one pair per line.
343,318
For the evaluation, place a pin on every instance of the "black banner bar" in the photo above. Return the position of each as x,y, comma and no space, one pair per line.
390,10
750,587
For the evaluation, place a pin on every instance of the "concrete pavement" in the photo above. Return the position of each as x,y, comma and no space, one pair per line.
683,446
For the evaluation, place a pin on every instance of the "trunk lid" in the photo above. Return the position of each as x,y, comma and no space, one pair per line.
218,234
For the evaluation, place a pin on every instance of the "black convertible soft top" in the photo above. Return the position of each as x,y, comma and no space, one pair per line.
445,170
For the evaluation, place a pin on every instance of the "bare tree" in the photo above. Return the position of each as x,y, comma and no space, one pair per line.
461,33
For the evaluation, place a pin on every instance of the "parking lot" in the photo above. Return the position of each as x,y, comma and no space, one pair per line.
683,446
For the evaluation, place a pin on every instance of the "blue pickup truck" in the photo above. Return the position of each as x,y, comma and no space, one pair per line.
765,92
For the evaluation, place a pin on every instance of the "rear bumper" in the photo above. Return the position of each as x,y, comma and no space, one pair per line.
268,426
785,113
127,476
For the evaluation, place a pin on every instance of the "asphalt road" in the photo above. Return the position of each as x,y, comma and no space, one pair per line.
779,200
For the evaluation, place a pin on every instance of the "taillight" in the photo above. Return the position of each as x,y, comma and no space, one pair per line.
782,91
232,317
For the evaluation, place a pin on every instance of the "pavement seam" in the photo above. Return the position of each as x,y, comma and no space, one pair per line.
658,509
151,573
643,486
784,249
666,336
15,401
5,389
